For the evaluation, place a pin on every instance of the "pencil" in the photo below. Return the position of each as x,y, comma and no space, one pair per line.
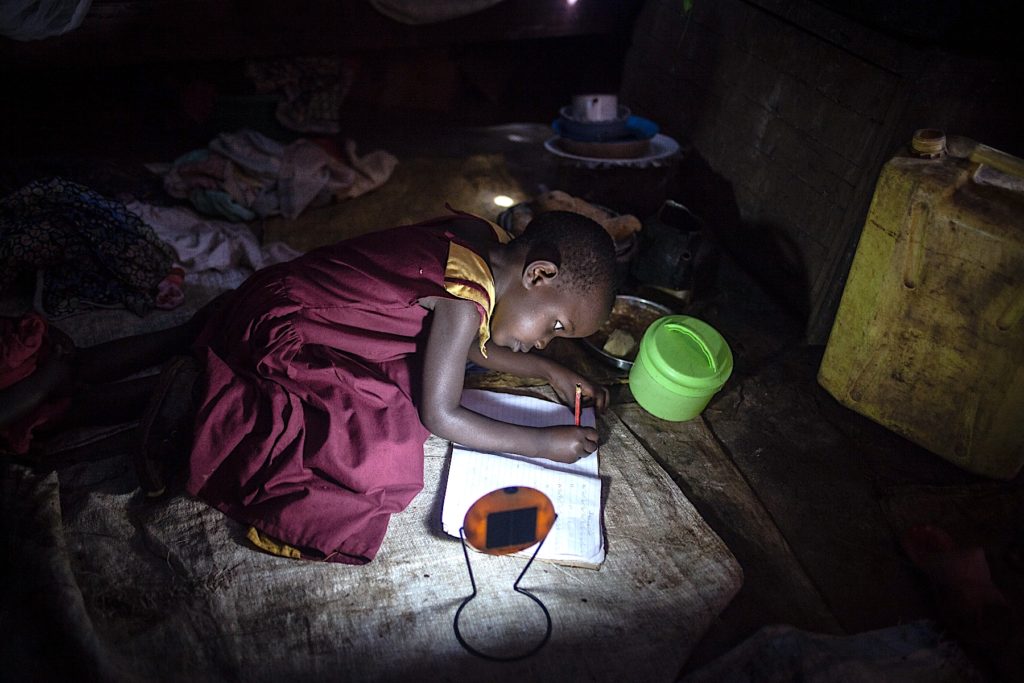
579,395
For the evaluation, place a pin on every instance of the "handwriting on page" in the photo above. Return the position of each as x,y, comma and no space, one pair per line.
531,412
574,489
576,532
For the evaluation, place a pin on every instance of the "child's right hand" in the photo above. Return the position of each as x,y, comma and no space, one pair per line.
568,443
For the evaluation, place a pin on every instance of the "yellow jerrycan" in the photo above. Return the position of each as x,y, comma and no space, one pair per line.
928,338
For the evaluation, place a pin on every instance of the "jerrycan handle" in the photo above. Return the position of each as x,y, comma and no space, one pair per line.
701,344
1001,161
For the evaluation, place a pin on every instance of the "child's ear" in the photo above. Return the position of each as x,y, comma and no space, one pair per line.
539,272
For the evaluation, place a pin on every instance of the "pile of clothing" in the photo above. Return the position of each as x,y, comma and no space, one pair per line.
245,175
85,249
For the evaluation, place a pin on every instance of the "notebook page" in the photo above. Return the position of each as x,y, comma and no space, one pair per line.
577,500
533,412
574,488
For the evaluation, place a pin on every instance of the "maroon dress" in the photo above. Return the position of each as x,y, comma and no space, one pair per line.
307,427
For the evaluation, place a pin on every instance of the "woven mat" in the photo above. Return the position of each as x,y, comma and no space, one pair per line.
112,587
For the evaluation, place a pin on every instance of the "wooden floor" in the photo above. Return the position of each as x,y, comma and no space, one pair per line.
810,496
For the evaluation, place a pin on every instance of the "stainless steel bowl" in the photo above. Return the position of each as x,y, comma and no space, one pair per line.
631,314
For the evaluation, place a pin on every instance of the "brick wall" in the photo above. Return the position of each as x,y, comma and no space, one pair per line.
790,110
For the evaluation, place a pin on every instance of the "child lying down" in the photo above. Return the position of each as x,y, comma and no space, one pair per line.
310,390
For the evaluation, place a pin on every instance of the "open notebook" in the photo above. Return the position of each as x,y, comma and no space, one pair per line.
577,538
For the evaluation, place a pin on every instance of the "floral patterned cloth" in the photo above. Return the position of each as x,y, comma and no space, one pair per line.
90,250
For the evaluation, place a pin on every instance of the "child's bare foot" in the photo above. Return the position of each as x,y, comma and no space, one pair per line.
971,605
965,571
211,309
165,430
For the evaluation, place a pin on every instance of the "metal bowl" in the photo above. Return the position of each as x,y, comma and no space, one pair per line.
631,314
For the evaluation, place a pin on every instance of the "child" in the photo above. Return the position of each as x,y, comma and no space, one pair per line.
322,377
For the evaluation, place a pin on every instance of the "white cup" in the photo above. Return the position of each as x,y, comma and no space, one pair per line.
595,107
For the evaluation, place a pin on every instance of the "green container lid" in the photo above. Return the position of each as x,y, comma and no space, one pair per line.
681,352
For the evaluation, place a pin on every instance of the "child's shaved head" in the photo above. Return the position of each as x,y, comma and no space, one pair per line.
583,251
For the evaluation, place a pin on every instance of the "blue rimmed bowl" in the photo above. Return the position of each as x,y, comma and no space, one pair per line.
594,131
630,128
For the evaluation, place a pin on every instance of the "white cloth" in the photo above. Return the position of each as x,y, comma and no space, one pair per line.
35,19
214,253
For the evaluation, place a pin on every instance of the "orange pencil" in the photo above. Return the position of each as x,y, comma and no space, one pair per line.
579,395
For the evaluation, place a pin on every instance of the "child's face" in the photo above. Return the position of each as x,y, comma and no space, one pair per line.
530,317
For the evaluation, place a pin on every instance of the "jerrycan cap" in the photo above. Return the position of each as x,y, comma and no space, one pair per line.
686,351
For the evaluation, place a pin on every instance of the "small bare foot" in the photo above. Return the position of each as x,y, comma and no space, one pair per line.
211,309
935,553
968,601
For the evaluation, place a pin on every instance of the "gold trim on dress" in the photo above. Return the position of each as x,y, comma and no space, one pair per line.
271,544
467,276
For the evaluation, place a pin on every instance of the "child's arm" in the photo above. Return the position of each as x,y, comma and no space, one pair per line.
562,379
452,331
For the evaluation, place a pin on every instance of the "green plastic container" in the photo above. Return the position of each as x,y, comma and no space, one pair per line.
681,364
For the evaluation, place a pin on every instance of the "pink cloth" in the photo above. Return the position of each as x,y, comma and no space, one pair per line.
21,340
169,293
24,344
307,427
